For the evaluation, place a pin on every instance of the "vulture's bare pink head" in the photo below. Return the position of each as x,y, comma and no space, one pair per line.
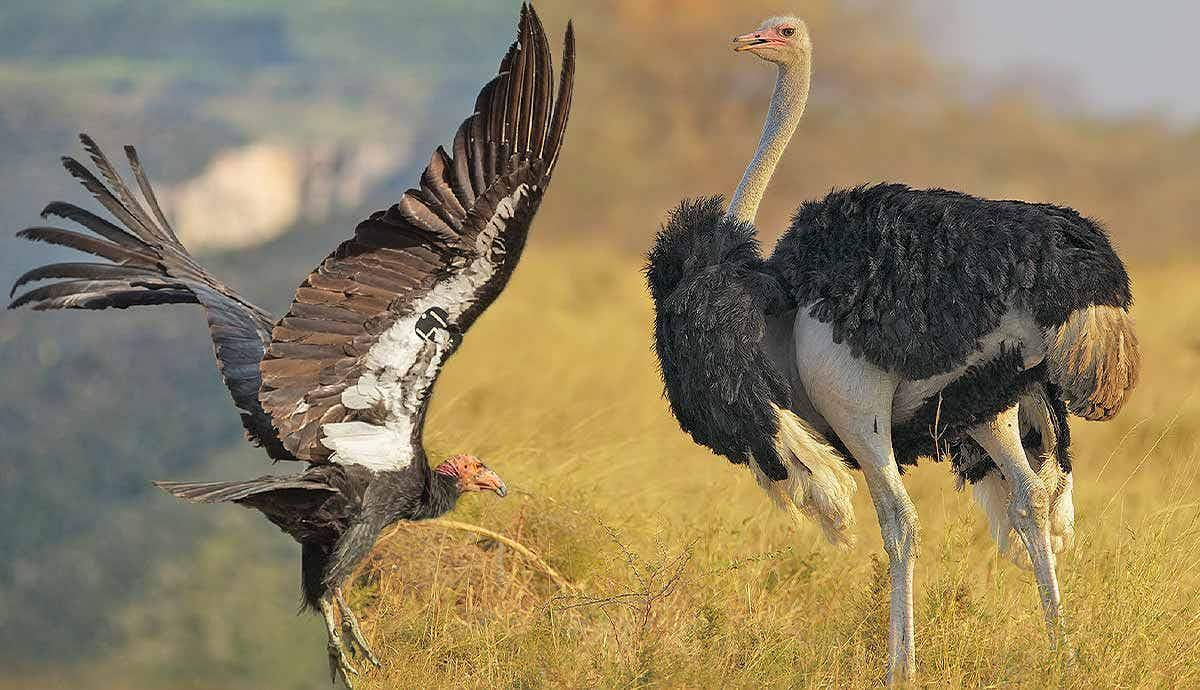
472,475
781,40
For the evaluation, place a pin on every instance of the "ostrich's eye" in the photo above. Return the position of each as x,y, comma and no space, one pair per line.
787,32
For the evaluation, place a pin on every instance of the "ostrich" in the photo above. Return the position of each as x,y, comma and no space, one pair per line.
343,380
891,323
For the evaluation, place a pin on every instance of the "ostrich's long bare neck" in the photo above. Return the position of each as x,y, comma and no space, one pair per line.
787,106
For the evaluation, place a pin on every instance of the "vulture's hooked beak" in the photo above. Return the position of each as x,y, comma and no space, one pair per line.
488,480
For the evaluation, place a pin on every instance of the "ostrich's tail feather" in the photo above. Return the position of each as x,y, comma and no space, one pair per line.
818,486
1094,357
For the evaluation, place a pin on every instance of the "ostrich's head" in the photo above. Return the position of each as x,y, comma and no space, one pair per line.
472,475
782,40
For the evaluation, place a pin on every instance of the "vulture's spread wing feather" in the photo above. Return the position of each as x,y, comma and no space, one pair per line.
351,366
149,266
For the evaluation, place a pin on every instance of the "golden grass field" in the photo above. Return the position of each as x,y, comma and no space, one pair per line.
691,579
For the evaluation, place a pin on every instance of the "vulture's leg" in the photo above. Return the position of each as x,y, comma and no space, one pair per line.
1028,508
350,627
855,397
339,665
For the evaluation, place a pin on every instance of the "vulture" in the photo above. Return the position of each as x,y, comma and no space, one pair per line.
890,323
342,382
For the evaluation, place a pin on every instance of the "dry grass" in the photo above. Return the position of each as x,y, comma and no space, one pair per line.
691,579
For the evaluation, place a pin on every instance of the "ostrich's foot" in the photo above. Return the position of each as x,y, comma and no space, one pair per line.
339,664
358,643
1030,519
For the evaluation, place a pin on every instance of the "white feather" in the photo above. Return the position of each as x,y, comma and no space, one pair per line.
401,365
360,443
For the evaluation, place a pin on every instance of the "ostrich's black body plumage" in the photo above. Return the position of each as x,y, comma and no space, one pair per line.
912,279
712,291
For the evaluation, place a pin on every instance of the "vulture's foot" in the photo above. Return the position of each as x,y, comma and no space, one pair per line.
339,664
358,643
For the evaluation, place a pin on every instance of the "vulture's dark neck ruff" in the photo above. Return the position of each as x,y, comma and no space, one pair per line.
342,381
443,494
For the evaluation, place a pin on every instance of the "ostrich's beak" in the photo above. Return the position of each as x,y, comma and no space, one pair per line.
487,480
749,41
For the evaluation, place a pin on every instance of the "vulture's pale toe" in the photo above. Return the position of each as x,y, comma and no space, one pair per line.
339,664
353,633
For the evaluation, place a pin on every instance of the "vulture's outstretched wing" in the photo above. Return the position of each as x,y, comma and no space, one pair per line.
148,266
350,368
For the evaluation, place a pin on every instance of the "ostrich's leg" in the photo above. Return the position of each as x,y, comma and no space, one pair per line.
1028,508
339,665
898,526
856,399
350,626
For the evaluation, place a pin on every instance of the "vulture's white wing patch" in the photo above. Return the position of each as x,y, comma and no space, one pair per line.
405,361
374,447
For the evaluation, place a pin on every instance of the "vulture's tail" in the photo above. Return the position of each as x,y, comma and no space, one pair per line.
147,265
237,491
713,299
1094,357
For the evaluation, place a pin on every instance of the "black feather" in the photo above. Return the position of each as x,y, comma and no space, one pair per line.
982,392
91,271
97,225
562,103
912,279
84,243
711,292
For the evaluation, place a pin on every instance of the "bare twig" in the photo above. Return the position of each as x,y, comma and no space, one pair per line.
545,567
935,432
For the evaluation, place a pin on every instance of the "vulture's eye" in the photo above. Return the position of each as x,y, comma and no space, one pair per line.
787,31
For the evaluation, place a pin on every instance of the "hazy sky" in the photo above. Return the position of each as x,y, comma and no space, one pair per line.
1123,57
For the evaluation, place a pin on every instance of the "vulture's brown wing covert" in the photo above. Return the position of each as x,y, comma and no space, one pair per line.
350,368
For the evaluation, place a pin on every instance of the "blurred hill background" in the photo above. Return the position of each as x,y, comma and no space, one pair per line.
275,126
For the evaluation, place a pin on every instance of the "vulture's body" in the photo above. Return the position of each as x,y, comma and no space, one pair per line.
342,381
